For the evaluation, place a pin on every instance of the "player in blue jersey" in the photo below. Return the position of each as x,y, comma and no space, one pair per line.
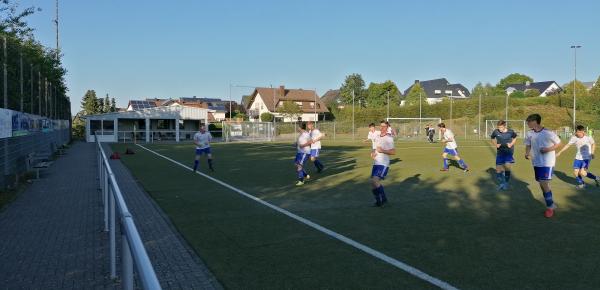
302,153
315,145
450,148
202,141
540,147
384,147
586,146
504,140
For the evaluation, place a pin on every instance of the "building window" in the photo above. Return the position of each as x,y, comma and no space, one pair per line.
108,126
141,124
438,92
299,104
448,92
312,105
162,125
95,126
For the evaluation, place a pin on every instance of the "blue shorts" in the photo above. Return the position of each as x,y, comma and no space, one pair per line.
301,158
314,152
379,171
203,151
581,164
543,173
503,158
451,151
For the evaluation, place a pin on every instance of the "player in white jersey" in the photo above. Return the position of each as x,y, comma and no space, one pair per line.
585,153
302,153
384,147
202,141
372,135
540,147
315,145
450,148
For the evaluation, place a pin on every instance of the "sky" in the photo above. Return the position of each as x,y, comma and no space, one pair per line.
138,49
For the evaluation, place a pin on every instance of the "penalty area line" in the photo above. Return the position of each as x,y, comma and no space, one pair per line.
370,251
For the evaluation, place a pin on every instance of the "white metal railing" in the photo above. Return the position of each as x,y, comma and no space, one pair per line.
133,251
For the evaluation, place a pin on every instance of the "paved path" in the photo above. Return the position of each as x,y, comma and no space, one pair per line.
176,264
51,236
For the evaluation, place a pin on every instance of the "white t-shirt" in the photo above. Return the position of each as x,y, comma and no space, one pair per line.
314,134
386,143
372,136
303,138
448,135
537,141
202,140
584,147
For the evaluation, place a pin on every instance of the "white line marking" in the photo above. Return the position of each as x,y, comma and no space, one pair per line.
398,264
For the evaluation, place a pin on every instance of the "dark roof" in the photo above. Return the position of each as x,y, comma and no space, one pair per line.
430,86
141,104
331,97
217,108
540,86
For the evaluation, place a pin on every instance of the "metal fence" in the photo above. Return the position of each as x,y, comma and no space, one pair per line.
133,251
15,151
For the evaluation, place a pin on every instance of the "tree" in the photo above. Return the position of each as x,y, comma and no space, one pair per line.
518,94
266,117
580,89
13,22
113,105
377,94
415,95
106,105
353,83
290,110
512,79
90,104
532,93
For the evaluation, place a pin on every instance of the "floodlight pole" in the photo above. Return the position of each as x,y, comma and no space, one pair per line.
575,47
352,114
479,119
388,104
506,108
230,101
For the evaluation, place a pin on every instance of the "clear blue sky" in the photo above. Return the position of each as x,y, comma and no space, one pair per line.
135,49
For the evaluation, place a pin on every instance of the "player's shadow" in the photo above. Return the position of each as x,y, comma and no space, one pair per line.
564,177
454,163
395,160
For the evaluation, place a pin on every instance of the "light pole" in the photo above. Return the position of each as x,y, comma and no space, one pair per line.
230,113
575,47
352,114
388,104
506,109
479,119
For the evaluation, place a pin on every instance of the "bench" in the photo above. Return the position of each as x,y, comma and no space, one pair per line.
38,162
40,166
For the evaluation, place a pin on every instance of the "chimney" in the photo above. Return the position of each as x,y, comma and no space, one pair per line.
282,91
417,81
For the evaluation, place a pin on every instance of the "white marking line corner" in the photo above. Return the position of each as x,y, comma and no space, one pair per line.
381,256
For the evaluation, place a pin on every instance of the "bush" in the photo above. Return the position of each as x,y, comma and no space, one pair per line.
532,93
517,95
266,117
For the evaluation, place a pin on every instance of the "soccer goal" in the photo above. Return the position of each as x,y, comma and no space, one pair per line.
247,131
413,128
519,126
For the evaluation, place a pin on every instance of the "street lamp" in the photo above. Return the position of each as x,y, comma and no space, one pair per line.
388,104
575,47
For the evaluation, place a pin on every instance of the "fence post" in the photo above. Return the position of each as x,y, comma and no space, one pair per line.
333,130
112,235
127,261
105,199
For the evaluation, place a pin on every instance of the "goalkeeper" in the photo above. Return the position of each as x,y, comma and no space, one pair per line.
202,140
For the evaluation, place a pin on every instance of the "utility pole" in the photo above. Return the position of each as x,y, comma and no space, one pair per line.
352,114
56,23
575,47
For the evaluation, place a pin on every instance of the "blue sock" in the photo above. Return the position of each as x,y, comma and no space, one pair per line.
500,177
548,198
591,176
507,176
301,175
195,165
304,173
579,179
376,195
318,164
446,163
210,163
462,164
382,193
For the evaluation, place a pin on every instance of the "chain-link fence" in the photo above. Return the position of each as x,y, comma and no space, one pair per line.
15,152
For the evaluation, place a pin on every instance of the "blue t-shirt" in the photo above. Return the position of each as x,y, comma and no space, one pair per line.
504,139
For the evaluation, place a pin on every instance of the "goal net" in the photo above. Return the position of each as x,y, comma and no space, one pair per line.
414,128
519,126
247,131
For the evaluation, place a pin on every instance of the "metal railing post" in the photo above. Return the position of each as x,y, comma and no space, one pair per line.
105,192
126,262
112,236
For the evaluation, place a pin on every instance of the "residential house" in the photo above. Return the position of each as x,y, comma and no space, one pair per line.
589,85
437,89
545,88
333,98
270,100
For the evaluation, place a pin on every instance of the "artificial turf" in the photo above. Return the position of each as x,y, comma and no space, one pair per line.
452,225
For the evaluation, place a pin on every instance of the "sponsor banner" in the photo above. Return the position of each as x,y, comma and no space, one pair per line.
5,123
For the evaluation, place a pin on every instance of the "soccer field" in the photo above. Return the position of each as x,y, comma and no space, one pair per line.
454,226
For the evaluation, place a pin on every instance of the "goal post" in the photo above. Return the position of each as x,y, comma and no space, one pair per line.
519,126
413,128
